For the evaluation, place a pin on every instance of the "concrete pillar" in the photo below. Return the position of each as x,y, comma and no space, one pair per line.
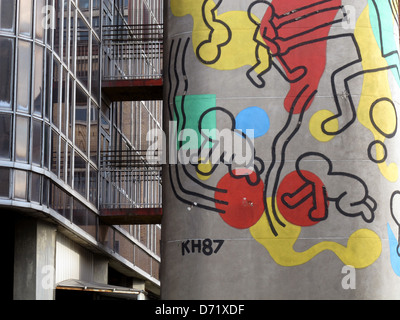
34,259
100,269
286,183
139,284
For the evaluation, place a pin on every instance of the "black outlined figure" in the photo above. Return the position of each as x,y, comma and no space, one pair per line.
310,189
349,192
179,174
302,31
228,148
218,24
341,77
395,213
218,38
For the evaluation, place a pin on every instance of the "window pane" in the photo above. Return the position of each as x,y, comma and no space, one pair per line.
24,75
57,198
96,20
5,182
7,15
65,33
20,184
35,190
81,115
70,104
40,18
54,152
94,128
5,136
84,218
6,71
80,175
69,165
49,31
95,81
83,5
45,194
38,86
46,146
25,17
93,186
71,40
58,19
66,206
106,236
62,158
36,142
64,106
82,51
22,139
49,83
96,4
56,83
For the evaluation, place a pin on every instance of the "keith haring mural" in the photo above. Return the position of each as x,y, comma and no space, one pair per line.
309,102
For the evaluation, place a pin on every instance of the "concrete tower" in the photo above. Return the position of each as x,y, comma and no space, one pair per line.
282,178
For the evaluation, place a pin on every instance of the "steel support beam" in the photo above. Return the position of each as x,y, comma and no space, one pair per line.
131,216
133,90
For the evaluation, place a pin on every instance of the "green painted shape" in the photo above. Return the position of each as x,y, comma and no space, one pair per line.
189,110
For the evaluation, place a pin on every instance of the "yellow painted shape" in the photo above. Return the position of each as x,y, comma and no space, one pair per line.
204,168
239,51
385,116
315,125
375,86
363,246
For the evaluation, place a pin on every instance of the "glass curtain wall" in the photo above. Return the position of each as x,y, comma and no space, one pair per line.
50,90
53,121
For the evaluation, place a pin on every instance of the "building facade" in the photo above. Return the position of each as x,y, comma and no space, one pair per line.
63,145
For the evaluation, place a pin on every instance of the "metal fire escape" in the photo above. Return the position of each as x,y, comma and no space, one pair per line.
134,69
132,64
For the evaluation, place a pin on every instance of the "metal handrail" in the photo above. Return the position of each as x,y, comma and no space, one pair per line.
133,51
129,180
137,32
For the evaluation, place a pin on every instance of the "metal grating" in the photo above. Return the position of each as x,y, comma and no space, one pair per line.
133,51
129,180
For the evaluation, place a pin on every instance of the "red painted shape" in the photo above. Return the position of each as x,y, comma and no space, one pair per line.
302,202
245,202
296,31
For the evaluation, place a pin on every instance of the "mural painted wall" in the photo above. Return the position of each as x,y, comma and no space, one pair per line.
308,91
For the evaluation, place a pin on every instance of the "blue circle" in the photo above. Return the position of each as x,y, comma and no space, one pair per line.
253,118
